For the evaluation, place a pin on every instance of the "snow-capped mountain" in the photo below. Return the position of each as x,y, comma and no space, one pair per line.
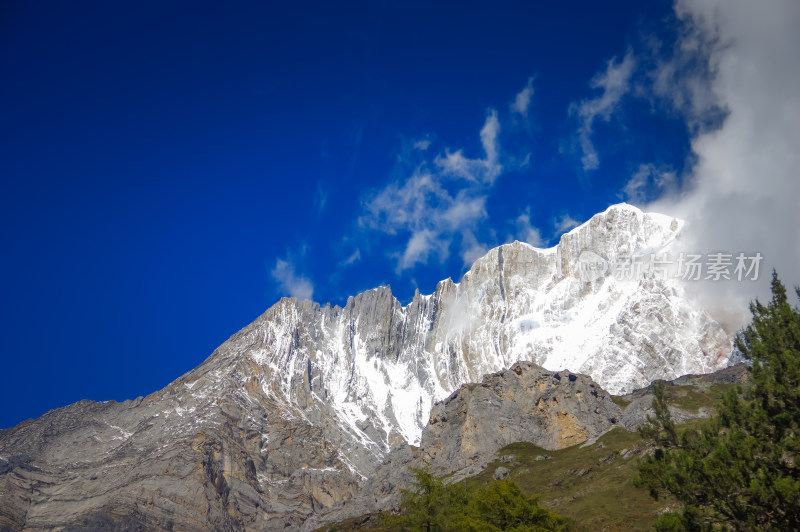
379,366
292,413
376,367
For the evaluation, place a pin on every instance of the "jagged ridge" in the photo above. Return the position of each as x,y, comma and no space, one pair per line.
292,413
378,366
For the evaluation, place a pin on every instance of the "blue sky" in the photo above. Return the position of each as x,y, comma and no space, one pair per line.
168,170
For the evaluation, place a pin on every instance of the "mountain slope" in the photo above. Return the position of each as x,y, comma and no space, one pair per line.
590,482
289,416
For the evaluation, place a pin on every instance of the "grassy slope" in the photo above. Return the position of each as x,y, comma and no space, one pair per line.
590,485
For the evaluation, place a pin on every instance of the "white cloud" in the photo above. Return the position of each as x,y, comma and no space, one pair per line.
290,282
471,249
405,206
320,198
352,259
424,208
684,78
439,204
565,223
477,170
614,83
421,245
422,145
489,132
523,99
646,181
526,232
464,210
743,191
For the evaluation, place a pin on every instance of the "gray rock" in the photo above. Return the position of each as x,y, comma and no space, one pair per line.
501,472
525,403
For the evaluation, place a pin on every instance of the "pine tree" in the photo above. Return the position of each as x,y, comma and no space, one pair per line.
425,505
431,505
739,470
502,506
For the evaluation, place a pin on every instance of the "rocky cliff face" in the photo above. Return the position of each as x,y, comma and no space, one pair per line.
294,412
525,403
216,458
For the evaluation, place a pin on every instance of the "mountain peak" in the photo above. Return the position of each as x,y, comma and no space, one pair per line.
381,365
311,398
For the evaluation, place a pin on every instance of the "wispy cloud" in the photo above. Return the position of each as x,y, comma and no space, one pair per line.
320,198
482,170
290,282
614,84
523,99
424,209
684,74
352,259
526,232
439,204
422,144
647,182
564,223
471,249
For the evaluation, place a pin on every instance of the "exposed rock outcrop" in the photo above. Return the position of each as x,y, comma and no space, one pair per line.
554,410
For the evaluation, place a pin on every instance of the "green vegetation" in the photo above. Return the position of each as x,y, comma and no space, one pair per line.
433,505
620,402
592,486
692,399
739,469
